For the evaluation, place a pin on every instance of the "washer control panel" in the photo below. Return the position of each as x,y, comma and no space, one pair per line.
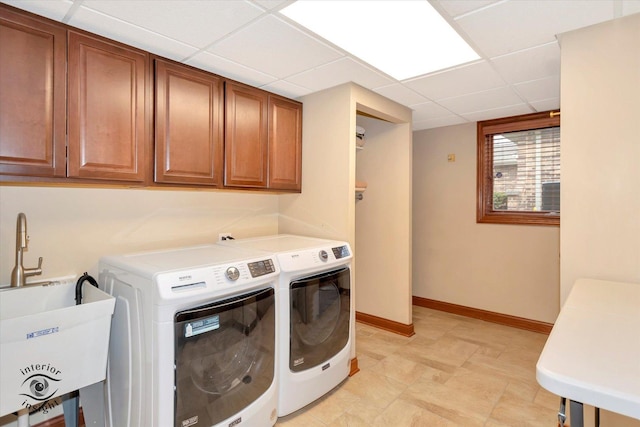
260,268
324,256
215,278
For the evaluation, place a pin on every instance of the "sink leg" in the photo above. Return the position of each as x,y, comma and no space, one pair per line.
23,418
70,407
92,398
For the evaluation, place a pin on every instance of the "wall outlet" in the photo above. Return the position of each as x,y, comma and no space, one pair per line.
225,236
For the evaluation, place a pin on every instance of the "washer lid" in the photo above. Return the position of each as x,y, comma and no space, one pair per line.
149,264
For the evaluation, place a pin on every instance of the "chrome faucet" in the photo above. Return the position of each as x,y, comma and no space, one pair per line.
19,274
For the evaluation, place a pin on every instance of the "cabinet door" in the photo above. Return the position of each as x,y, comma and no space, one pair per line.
246,137
32,96
189,129
285,144
108,109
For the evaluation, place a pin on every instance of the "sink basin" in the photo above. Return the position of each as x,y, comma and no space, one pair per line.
48,345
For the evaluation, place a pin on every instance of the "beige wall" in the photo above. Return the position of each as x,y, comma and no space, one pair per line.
600,195
508,269
72,227
326,208
383,221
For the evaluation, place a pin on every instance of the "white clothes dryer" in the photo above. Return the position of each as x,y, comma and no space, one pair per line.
193,338
315,317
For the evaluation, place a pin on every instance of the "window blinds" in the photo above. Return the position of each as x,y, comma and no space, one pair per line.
526,170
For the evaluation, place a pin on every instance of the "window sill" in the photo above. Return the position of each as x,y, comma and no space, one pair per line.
519,218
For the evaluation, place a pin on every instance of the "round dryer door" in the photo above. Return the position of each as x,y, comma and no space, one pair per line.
319,313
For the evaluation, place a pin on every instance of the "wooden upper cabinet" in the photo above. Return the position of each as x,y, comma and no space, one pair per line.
108,108
285,144
80,106
189,128
32,96
246,136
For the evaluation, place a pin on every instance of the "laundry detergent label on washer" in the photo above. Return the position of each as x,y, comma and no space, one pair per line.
201,326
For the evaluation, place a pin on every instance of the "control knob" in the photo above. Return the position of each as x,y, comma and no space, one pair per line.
232,274
323,255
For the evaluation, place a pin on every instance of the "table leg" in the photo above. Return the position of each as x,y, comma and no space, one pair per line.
576,413
562,412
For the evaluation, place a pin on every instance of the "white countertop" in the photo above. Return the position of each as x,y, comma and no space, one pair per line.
592,355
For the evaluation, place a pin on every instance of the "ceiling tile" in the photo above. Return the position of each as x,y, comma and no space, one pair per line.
429,111
107,26
275,47
529,64
198,23
223,67
539,89
508,111
401,94
458,81
509,26
439,122
53,9
284,88
481,101
546,104
273,4
343,70
459,7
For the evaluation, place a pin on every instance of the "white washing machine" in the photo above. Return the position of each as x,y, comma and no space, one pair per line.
315,317
193,338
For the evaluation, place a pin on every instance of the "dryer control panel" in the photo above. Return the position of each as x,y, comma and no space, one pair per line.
326,256
341,251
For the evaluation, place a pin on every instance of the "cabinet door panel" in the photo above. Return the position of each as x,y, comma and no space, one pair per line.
107,110
246,137
189,132
32,101
285,144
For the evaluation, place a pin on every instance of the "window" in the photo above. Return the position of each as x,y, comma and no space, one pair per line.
519,170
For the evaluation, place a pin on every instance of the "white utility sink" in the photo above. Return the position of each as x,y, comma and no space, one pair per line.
50,346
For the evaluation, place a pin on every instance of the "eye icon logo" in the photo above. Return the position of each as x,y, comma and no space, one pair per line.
40,387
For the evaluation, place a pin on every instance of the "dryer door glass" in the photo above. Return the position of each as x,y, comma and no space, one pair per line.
319,308
224,357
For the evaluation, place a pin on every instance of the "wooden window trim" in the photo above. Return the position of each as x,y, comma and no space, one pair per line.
484,197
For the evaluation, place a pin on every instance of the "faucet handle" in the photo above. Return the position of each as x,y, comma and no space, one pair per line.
34,271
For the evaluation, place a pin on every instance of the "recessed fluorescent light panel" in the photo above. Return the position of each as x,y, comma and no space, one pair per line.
404,38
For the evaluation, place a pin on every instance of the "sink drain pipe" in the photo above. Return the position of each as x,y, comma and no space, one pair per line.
81,280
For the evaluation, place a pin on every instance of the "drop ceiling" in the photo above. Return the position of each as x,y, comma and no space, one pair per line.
250,41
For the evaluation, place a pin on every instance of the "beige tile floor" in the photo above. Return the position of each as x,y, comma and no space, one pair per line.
455,371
